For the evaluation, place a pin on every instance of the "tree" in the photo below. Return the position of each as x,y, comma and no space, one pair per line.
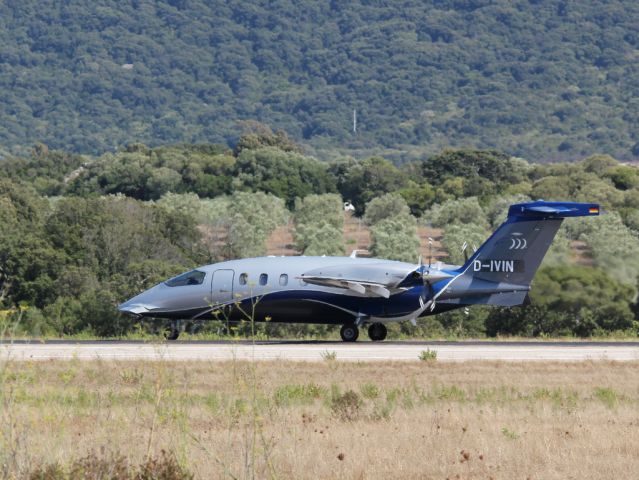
614,246
287,175
555,188
251,218
599,164
390,205
262,136
623,177
319,220
360,182
395,239
319,238
418,197
27,262
161,181
185,204
591,297
327,208
483,171
464,211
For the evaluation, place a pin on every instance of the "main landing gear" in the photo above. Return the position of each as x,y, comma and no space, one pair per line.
349,332
376,332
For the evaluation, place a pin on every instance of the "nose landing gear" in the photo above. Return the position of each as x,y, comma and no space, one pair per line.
377,332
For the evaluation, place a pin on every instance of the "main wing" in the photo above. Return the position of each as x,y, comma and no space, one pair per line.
381,279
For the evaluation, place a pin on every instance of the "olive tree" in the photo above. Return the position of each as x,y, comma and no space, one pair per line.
390,205
612,244
326,208
464,211
319,239
396,239
319,222
252,217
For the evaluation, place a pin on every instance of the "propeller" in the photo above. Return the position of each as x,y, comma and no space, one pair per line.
464,249
429,276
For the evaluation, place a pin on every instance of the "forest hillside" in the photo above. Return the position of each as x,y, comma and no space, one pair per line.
543,79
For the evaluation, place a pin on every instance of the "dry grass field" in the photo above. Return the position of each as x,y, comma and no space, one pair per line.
423,419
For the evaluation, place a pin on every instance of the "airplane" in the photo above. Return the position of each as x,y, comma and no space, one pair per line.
354,291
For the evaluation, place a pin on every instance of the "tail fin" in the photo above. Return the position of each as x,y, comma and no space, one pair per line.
501,270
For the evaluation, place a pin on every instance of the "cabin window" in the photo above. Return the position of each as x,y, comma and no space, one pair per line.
263,279
283,280
243,278
194,277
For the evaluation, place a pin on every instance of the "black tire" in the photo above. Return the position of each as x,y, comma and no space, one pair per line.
349,332
377,332
171,333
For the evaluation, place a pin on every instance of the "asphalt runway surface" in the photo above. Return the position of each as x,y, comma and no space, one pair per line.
318,351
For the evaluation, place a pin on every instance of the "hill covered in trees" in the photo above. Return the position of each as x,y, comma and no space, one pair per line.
543,79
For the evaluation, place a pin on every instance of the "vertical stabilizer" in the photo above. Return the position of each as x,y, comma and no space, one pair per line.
501,270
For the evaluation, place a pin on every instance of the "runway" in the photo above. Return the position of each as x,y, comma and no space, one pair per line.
320,351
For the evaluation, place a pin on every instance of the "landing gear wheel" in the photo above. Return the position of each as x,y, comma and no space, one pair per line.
171,333
349,332
377,332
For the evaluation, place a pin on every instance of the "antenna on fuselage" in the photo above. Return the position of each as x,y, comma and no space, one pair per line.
430,252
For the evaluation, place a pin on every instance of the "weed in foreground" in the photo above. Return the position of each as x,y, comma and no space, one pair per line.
370,390
346,406
607,396
287,395
509,434
428,355
329,356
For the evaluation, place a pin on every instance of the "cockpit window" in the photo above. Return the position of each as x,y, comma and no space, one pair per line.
194,277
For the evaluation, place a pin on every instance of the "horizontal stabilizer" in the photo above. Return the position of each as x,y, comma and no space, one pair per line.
541,209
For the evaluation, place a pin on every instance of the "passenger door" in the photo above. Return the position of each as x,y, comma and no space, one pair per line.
222,286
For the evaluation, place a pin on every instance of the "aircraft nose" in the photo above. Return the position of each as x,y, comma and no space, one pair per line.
132,308
138,305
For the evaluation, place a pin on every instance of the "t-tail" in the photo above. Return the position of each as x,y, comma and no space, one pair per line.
501,270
